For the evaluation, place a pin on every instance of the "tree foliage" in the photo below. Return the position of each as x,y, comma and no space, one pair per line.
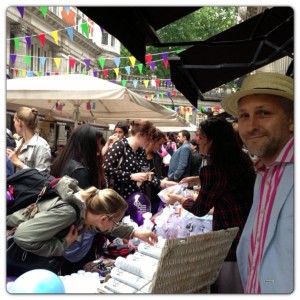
197,26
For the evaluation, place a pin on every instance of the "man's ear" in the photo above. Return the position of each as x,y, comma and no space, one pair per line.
291,124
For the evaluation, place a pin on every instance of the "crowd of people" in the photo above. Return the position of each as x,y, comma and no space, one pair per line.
252,190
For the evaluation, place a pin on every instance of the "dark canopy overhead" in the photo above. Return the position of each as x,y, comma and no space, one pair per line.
135,27
233,53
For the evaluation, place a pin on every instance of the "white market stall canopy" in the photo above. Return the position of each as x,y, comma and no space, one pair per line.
95,99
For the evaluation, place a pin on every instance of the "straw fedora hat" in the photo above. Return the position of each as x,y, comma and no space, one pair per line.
260,83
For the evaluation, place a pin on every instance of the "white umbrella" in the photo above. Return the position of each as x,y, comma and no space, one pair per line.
91,98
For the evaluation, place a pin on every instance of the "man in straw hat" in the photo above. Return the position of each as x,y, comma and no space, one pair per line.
264,107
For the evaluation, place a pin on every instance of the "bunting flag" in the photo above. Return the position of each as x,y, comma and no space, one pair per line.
123,82
42,61
42,39
95,73
146,83
166,63
43,9
174,92
117,61
152,96
93,105
28,41
132,60
101,62
70,32
152,66
135,82
27,60
67,8
55,36
72,62
105,72
21,10
24,73
85,29
29,74
87,62
17,43
157,82
140,67
88,105
117,72
13,58
16,72
164,56
148,58
168,82
127,68
57,62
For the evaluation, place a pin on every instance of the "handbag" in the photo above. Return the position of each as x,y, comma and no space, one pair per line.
19,261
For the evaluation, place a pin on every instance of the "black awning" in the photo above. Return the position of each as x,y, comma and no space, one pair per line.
233,53
135,27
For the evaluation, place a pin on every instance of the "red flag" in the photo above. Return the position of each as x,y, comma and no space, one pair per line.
42,38
72,62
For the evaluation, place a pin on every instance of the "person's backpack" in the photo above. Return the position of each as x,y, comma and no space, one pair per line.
26,187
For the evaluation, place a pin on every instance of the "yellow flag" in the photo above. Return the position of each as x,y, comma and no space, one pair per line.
146,82
117,72
57,62
55,36
132,60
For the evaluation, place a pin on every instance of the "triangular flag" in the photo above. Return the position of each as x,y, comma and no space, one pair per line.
44,10
146,96
124,82
42,38
42,61
169,94
27,59
146,82
132,60
117,72
67,8
55,36
95,73
93,105
152,96
39,73
57,62
47,73
101,62
127,68
148,58
87,62
84,72
13,58
157,96
70,32
164,56
168,82
72,62
85,29
88,105
140,67
113,81
157,82
161,94
117,61
135,82
21,10
16,72
29,73
178,51
152,66
28,41
174,93
166,64
17,43
105,72
24,73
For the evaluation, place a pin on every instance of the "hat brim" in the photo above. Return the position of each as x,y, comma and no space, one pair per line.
230,103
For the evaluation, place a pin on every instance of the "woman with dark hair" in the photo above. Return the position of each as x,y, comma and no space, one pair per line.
121,130
227,182
81,158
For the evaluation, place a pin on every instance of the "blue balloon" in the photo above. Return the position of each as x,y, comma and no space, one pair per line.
38,281
138,203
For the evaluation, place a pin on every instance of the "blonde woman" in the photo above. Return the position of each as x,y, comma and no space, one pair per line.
32,150
100,211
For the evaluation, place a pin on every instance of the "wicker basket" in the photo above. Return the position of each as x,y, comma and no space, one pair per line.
192,264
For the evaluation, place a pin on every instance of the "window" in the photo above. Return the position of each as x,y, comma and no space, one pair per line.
104,38
113,41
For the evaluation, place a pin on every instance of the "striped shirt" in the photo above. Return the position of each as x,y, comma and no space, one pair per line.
270,180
